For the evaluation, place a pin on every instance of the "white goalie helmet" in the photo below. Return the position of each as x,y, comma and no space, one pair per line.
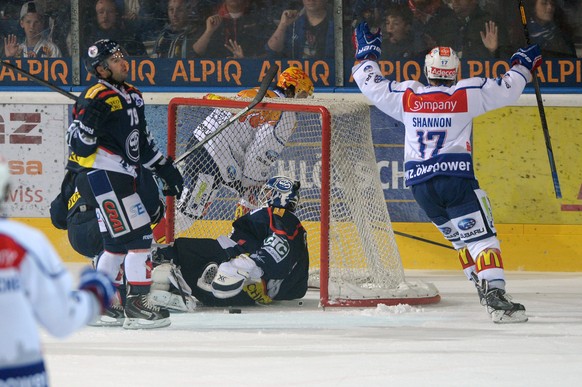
441,63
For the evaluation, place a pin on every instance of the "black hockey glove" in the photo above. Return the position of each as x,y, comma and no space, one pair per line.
173,180
94,113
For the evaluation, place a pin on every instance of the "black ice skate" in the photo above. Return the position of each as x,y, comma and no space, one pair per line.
140,313
502,310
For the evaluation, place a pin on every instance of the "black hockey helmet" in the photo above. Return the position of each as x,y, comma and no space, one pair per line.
98,53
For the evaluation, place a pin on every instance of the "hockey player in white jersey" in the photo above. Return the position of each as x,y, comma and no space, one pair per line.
36,288
242,154
437,152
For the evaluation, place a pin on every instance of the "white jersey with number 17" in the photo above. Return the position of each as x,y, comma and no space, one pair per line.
438,119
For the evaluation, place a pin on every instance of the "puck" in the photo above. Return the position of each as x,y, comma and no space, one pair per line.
234,311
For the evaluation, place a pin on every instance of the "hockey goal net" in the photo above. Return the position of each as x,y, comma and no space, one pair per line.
354,258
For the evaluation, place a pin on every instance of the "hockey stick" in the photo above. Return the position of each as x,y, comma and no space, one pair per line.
553,169
38,80
266,82
423,240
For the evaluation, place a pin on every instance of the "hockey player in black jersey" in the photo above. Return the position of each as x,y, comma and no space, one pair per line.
110,143
264,259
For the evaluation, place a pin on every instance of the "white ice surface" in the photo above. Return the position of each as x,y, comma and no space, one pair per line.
452,343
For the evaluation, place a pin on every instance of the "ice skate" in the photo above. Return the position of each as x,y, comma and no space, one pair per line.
502,310
140,313
112,317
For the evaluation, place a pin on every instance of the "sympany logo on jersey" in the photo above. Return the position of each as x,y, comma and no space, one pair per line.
437,102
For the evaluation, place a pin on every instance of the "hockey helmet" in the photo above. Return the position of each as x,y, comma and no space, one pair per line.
99,52
294,76
280,191
4,178
441,63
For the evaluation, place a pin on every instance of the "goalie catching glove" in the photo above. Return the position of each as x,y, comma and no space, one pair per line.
233,275
367,45
173,180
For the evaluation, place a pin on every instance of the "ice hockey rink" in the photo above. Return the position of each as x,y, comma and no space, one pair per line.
452,343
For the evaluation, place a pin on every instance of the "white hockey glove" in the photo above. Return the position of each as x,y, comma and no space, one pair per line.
233,275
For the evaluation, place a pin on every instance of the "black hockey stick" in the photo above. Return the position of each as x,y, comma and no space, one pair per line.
423,240
553,169
38,80
265,83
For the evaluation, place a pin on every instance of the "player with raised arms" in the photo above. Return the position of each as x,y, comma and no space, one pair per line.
437,151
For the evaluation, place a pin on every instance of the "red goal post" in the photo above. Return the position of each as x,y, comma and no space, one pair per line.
353,252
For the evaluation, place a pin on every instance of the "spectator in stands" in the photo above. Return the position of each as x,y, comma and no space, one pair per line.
108,24
235,31
398,39
434,24
304,34
144,15
56,11
184,26
478,34
36,43
548,28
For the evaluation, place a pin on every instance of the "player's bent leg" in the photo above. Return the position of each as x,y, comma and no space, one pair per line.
111,263
140,312
489,266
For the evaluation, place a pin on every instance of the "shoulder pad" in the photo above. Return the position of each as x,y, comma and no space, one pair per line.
95,90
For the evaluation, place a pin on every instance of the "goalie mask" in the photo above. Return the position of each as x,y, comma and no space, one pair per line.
280,191
295,83
441,63
99,52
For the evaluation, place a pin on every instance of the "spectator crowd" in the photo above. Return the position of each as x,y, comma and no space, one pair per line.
297,29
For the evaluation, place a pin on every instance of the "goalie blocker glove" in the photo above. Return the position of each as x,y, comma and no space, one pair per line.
173,180
529,57
367,44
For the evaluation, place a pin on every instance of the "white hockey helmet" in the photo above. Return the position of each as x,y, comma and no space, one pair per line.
441,63
4,178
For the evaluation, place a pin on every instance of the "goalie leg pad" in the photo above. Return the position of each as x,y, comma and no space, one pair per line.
196,200
161,277
172,301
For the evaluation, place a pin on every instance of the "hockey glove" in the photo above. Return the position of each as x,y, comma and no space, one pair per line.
94,113
530,57
100,285
173,180
367,44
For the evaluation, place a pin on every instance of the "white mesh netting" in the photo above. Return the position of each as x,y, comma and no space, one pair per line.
364,261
